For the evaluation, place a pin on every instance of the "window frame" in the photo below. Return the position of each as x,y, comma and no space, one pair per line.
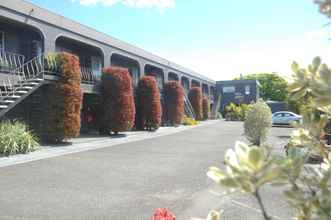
226,89
2,40
247,89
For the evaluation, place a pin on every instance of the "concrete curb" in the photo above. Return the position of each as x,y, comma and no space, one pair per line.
79,145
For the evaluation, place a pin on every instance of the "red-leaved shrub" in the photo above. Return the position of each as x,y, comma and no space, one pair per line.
118,101
195,97
65,100
149,103
174,102
163,214
205,108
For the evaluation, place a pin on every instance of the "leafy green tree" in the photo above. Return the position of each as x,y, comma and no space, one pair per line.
325,7
273,86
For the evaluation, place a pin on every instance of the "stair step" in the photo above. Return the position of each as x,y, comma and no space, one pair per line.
31,84
3,106
25,88
34,80
7,101
13,97
21,91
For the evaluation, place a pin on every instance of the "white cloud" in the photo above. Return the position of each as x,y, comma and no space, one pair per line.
160,4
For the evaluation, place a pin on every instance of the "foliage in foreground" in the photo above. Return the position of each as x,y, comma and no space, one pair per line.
149,103
174,102
324,7
15,138
258,122
64,120
118,101
235,112
307,189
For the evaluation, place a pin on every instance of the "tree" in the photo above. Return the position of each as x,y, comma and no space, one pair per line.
195,97
324,7
174,102
273,86
205,108
66,97
118,101
149,103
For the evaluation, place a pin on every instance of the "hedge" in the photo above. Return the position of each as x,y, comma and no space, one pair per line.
195,97
149,102
65,99
205,108
174,102
118,100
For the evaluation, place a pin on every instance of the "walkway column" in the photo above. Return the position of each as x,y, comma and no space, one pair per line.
142,67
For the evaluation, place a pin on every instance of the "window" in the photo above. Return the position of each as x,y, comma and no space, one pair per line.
2,40
229,89
247,90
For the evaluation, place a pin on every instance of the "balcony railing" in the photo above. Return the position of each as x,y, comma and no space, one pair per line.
10,61
87,75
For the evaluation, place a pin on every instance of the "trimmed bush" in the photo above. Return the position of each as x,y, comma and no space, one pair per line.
149,102
195,97
235,112
258,122
189,121
15,138
205,108
174,102
118,101
65,100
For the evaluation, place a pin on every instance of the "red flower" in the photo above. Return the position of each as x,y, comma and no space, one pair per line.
163,214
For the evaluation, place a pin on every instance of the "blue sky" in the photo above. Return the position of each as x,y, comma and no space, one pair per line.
217,38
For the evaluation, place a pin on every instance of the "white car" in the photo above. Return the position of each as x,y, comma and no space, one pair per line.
285,118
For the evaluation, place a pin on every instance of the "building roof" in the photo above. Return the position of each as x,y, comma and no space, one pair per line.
60,21
234,82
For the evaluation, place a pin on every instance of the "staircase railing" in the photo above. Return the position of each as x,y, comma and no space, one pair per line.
10,61
32,69
188,107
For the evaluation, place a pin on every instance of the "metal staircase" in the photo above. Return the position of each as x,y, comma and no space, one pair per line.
189,111
22,82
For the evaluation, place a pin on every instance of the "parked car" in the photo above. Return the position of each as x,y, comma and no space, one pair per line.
285,118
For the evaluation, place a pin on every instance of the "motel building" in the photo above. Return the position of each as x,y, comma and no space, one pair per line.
28,33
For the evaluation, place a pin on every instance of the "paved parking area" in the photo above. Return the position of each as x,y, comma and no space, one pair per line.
129,181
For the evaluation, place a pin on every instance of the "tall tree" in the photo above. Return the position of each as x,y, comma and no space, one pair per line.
273,86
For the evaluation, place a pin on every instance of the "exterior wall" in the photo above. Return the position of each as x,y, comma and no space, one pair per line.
276,106
53,26
33,111
238,95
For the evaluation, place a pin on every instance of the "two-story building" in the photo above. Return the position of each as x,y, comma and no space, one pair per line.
28,33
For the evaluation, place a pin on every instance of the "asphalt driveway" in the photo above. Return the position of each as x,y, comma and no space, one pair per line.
130,181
